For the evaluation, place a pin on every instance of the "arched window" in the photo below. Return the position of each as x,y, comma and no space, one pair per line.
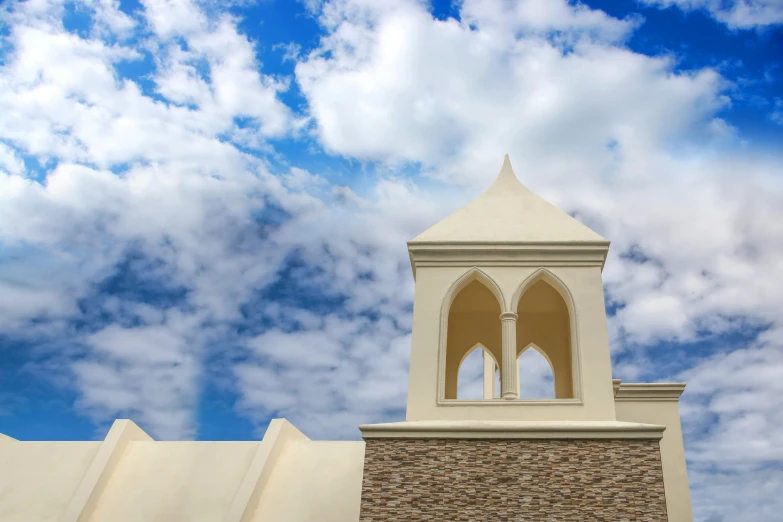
544,321
473,378
536,378
473,319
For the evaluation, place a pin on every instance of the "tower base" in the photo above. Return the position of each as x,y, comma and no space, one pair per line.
512,471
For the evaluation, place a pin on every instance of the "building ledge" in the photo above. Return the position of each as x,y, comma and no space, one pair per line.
661,391
512,430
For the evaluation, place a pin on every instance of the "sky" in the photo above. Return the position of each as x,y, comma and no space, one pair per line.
204,205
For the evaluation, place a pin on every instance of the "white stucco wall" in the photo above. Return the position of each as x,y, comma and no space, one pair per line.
284,477
38,479
314,481
174,481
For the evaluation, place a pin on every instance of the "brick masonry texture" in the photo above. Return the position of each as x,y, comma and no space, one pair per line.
519,480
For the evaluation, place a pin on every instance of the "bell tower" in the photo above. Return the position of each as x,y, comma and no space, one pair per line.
507,273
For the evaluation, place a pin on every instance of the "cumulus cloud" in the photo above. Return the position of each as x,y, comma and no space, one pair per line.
459,95
64,95
329,378
134,170
736,14
732,418
147,372
140,221
337,355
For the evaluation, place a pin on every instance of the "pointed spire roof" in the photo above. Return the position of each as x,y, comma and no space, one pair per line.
508,212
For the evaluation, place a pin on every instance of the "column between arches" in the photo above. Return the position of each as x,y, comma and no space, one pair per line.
509,376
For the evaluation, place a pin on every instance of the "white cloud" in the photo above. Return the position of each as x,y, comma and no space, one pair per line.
329,372
149,373
733,421
21,300
570,22
184,201
725,497
440,93
177,17
741,388
10,162
62,96
736,14
330,378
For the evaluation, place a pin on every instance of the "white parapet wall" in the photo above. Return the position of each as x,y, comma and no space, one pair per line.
129,477
38,479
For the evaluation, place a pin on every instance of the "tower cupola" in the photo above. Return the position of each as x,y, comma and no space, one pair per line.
507,273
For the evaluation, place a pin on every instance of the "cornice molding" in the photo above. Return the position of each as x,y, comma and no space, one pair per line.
507,254
512,430
529,245
663,391
616,385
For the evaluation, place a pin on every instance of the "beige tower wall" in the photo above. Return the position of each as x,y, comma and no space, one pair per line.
591,368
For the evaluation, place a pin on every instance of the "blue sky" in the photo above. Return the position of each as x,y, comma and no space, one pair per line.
204,205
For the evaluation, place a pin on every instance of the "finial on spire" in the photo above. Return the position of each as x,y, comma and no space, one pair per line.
506,171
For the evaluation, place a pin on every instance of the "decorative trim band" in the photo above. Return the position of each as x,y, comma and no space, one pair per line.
512,430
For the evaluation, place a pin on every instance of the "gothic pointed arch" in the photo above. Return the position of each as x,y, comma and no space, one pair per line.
478,346
470,315
550,278
474,274
536,348
472,375
536,374
546,320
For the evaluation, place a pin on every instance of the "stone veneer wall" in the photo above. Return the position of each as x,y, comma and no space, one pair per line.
520,480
